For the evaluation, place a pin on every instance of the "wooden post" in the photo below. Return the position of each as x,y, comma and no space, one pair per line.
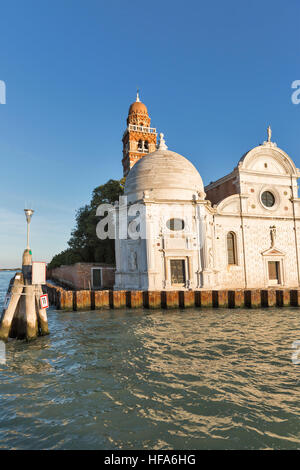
101,299
24,317
8,314
206,298
31,316
42,314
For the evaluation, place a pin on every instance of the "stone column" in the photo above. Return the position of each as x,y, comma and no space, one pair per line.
207,273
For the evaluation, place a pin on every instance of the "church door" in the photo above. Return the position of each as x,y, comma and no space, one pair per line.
178,271
274,272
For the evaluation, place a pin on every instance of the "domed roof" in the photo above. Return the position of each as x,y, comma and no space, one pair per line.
163,175
138,108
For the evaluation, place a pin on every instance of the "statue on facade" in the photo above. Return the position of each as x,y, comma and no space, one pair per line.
269,133
273,235
133,260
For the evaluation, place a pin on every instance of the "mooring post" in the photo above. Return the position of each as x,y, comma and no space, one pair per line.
31,316
29,291
24,316
8,313
42,315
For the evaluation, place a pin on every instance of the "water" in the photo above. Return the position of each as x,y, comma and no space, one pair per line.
211,379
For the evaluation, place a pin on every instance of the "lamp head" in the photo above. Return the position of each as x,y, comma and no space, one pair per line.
28,214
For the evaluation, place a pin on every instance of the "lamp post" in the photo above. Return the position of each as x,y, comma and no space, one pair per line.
28,214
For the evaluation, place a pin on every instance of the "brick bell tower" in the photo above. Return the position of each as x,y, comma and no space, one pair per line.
139,138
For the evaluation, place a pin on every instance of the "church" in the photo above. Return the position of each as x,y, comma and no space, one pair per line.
241,231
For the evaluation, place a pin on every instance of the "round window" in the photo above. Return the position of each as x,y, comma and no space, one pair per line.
268,199
175,224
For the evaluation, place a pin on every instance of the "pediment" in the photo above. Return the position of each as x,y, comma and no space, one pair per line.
273,252
268,159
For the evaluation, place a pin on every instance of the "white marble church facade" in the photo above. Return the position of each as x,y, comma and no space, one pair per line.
242,231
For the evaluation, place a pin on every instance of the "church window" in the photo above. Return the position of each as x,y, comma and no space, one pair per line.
146,145
268,199
140,145
231,248
177,271
175,224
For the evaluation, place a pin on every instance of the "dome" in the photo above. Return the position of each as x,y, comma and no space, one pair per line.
163,175
138,107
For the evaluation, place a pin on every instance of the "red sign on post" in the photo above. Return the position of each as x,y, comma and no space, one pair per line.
44,301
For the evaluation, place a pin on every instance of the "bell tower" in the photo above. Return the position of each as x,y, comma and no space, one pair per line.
139,138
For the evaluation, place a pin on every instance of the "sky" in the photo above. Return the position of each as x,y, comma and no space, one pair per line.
213,75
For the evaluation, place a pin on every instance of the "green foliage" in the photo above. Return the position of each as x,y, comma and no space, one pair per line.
84,245
65,257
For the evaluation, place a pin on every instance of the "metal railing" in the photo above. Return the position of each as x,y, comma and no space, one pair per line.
147,130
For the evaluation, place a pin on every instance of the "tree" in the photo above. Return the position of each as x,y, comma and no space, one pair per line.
84,245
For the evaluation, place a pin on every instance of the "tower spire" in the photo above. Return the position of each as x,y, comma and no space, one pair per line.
139,138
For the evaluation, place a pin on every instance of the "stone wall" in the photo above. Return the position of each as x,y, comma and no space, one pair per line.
79,275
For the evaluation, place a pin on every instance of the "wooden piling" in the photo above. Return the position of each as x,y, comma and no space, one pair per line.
220,298
19,325
30,315
170,299
268,298
134,299
187,299
295,297
206,298
118,299
283,298
152,299
253,298
101,299
42,314
239,298
65,300
8,314
82,300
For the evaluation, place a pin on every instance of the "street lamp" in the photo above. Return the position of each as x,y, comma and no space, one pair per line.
28,214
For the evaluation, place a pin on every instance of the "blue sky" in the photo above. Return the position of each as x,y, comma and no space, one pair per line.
212,74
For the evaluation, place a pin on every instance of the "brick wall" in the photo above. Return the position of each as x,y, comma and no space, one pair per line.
78,275
217,192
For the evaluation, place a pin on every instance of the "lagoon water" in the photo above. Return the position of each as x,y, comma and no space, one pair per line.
193,379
